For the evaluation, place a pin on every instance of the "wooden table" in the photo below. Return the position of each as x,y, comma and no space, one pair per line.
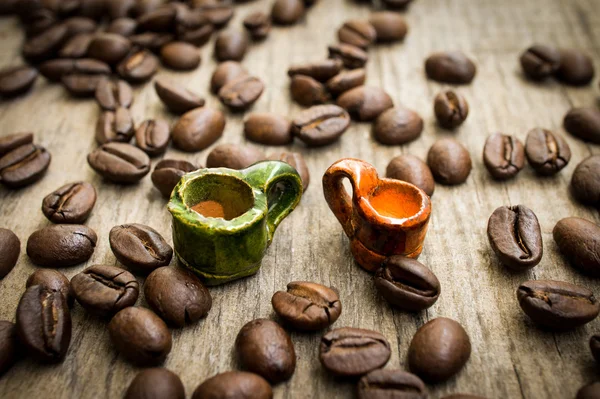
510,358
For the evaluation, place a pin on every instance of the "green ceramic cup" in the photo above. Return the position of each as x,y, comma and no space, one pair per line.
247,206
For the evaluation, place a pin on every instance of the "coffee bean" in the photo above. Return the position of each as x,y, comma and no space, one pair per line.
52,280
258,25
233,156
358,33
320,125
439,349
156,383
240,93
71,203
546,152
296,160
140,336
409,168
576,67
61,245
82,85
540,61
515,236
10,248
224,73
151,40
159,20
44,324
351,56
198,129
109,47
46,44
153,136
218,14
138,67
119,8
167,173
287,12
8,345
365,103
579,241
177,98
352,352
380,384
180,56
114,126
449,161
451,109
55,70
557,305
77,46
345,81
584,123
119,162
231,45
585,182
13,141
397,126
111,94
79,24
199,35
268,129
307,91
595,346
234,384
139,247
319,70
397,4
589,391
16,80
122,26
407,284
307,306
177,295
24,165
503,156
450,67
264,348
389,26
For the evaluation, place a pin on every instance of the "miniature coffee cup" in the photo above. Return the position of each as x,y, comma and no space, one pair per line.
224,219
384,217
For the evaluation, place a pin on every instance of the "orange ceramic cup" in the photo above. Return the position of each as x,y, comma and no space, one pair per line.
384,217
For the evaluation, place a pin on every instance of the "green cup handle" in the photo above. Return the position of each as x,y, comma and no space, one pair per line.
282,185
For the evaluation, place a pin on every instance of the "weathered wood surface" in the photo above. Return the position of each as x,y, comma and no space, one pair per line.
510,359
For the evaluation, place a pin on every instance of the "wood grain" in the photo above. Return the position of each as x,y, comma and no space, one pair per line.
511,358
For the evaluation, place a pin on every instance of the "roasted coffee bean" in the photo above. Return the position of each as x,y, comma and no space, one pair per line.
233,156
119,8
77,46
595,346
345,81
167,173
17,80
156,383
540,61
407,284
515,236
9,345
397,126
153,136
46,44
380,384
264,348
584,123
177,295
10,248
352,352
139,247
287,12
576,67
557,305
319,70
234,384
80,85
439,349
105,290
546,152
198,32
307,306
114,126
71,203
358,33
140,336
296,160
320,125
585,183
44,324
589,391
450,67
23,165
351,56
111,94
451,109
224,73
52,280
138,67
80,24
109,47
258,25
198,129
119,162
176,98
365,103
409,168
449,161
389,26
242,92
579,241
307,91
55,70
159,20
268,129
231,45
180,56
122,26
151,40
61,245
503,156
15,140
218,14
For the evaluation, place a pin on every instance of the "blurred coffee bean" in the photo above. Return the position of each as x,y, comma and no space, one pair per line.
54,70
224,73
546,152
175,97
109,47
579,241
152,136
397,126
268,129
413,170
16,80
258,25
10,248
111,94
287,12
584,123
198,129
155,383
351,56
386,383
242,92
307,91
231,45
180,56
167,173
365,103
15,140
114,126
233,156
138,66
576,67
345,81
452,67
390,26
234,384
451,109
585,182
540,61
357,32
318,70
449,161
320,124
